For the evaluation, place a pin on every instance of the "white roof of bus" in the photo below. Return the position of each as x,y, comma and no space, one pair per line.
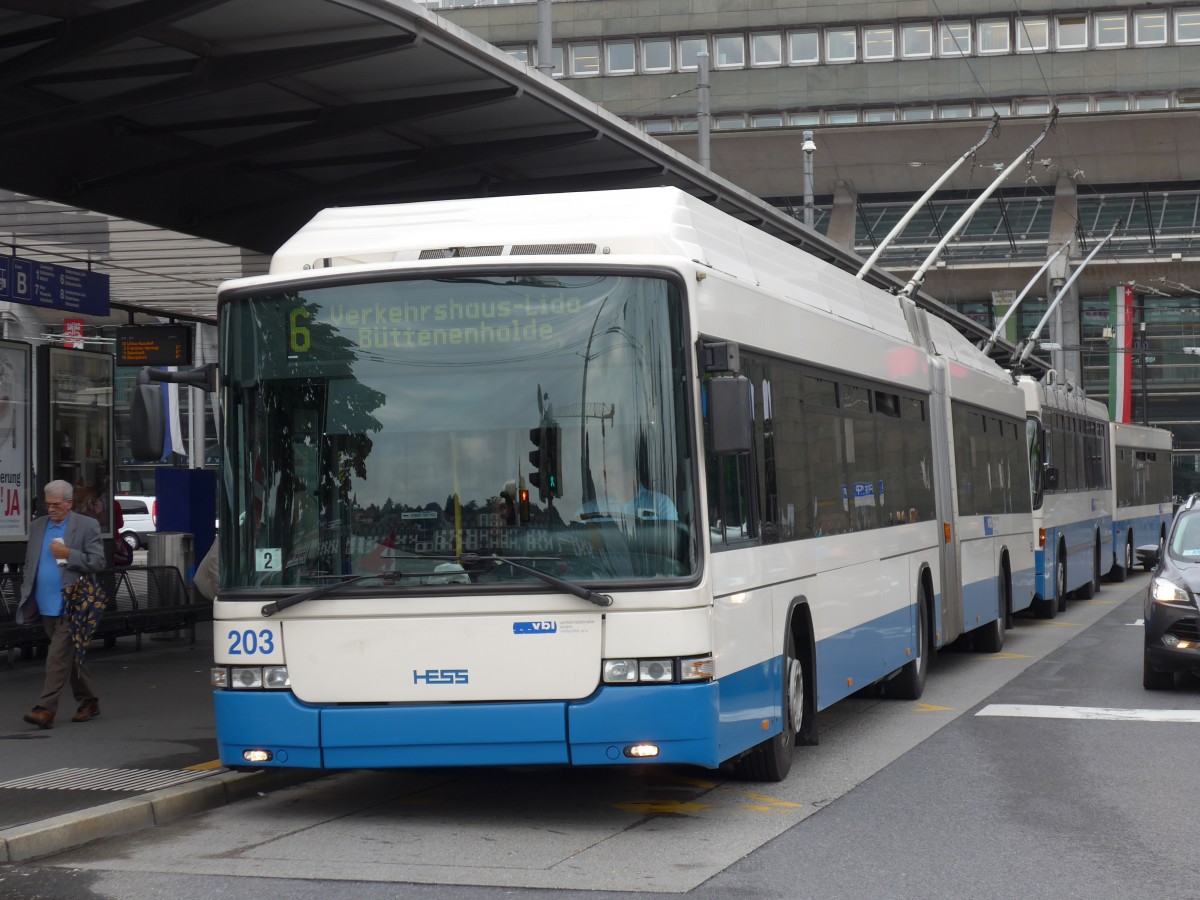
645,222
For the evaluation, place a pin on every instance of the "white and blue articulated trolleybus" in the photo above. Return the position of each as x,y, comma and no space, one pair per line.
1070,464
1142,492
592,479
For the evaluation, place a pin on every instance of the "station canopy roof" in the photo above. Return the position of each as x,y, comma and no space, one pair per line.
175,143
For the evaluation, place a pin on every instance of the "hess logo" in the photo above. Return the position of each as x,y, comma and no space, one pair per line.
544,627
441,676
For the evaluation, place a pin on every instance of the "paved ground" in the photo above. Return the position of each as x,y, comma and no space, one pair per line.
150,758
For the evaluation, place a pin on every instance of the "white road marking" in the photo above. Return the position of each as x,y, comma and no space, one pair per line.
1091,712
1139,623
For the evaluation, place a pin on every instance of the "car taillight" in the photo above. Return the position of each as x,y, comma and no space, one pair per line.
154,513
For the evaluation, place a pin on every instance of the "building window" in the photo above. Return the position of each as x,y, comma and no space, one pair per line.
997,109
1033,107
519,52
731,51
993,36
805,118
955,38
556,54
842,117
766,50
916,41
657,126
1077,105
620,56
956,111
1151,103
727,123
1070,32
1149,28
767,120
1112,104
688,126
1033,35
1111,30
689,51
1188,101
1187,26
879,43
656,56
841,45
879,115
917,114
585,59
803,47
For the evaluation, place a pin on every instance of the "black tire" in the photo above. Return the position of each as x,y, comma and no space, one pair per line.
990,637
1154,680
131,538
772,759
1060,580
1120,571
909,682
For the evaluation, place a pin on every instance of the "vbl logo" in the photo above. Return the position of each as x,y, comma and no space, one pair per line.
441,676
544,627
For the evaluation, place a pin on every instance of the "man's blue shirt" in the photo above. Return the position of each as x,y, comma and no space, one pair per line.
49,585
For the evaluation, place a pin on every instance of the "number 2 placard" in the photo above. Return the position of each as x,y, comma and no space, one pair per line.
268,559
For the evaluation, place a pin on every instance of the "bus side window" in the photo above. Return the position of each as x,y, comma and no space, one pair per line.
730,483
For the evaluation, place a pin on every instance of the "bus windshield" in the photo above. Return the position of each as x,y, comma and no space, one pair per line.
385,428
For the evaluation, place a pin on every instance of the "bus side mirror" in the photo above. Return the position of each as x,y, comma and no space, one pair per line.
1051,478
146,421
731,415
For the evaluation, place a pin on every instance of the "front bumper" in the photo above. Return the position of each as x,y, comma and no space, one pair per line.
679,718
1181,622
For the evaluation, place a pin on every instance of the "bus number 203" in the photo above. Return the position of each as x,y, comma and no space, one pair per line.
250,642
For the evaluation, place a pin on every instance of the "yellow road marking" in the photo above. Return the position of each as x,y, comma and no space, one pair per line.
1003,656
204,767
663,806
929,707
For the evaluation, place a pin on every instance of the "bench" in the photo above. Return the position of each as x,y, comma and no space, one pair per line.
141,600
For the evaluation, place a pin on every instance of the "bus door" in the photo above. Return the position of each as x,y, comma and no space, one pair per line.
949,622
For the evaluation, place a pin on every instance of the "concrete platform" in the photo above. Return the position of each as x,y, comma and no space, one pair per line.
149,758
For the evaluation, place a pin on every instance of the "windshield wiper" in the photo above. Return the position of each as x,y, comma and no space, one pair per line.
271,608
554,581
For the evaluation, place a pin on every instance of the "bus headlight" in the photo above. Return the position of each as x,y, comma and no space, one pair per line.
276,678
665,670
246,677
618,671
658,670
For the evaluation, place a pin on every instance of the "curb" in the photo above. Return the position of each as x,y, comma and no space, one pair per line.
34,840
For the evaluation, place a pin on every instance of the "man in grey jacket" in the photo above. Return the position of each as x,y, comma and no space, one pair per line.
63,547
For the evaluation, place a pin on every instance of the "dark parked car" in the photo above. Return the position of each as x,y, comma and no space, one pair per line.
1172,617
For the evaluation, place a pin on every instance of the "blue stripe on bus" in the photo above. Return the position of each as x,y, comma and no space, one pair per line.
275,721
1024,584
859,656
696,724
1146,530
980,603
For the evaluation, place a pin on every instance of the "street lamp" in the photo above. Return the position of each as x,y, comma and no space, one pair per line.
809,147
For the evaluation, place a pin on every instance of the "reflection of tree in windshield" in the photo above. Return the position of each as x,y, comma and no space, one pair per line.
448,386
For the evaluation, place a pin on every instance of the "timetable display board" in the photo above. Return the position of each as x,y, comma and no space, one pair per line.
154,345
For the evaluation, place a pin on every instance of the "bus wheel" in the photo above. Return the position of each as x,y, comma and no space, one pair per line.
772,759
1120,571
990,638
1088,591
909,682
1060,580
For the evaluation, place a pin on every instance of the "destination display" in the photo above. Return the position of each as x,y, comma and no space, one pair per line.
154,345
53,287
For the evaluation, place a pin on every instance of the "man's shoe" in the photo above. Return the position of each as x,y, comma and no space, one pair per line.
88,709
40,716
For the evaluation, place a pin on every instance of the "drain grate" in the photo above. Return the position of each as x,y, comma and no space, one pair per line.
103,780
